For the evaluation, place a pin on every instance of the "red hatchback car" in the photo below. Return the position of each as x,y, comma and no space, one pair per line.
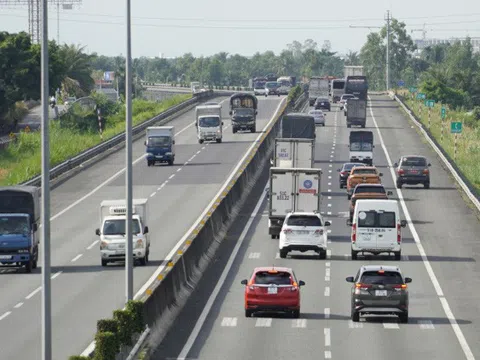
272,289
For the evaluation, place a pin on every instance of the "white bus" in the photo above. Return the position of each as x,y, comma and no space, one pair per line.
337,89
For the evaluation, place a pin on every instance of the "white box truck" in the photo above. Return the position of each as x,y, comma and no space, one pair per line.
356,113
160,144
113,215
208,120
352,71
294,189
294,153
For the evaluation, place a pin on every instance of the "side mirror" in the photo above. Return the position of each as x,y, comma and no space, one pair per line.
381,174
395,165
256,112
389,193
97,232
349,222
230,113
173,142
429,165
34,227
328,223
222,123
301,283
408,280
244,282
145,143
403,223
145,230
349,279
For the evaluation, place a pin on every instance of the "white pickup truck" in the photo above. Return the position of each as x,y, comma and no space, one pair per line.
113,215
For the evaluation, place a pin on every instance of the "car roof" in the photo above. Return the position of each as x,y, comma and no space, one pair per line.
303,213
268,268
357,164
409,156
380,267
369,185
368,167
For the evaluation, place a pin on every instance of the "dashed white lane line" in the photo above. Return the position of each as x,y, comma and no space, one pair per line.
329,190
329,177
263,322
330,165
329,205
328,264
203,148
327,291
5,315
299,323
198,152
18,305
329,231
179,169
277,256
171,177
329,171
192,158
57,274
328,354
326,333
355,325
90,247
329,198
426,325
76,257
153,194
229,321
329,213
254,255
32,294
329,184
391,326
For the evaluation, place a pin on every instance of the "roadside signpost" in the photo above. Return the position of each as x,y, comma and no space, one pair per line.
455,129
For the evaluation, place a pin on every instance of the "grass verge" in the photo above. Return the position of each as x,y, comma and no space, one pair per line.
468,142
21,161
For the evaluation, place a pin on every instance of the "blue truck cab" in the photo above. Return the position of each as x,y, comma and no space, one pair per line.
19,222
160,143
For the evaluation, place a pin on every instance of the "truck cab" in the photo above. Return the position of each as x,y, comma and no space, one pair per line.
160,145
243,109
209,123
19,222
113,215
361,147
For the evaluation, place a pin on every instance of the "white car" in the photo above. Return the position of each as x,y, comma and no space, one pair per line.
303,231
344,98
259,89
318,116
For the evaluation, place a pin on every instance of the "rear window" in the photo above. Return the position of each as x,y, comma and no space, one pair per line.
322,100
381,278
351,166
369,189
414,161
278,278
380,219
347,96
364,171
304,221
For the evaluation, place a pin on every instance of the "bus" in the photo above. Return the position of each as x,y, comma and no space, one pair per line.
357,86
337,89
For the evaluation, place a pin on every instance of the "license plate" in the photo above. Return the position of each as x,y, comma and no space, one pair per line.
272,290
5,257
413,172
380,292
365,237
158,156
302,232
121,246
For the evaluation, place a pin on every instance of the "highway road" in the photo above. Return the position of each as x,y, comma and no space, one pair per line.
444,308
83,291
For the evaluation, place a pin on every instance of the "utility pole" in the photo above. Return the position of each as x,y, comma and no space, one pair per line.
388,52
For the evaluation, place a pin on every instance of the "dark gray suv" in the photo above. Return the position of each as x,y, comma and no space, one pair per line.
413,170
379,290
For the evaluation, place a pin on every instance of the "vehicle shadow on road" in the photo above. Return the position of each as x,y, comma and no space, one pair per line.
202,164
117,266
333,193
331,162
420,187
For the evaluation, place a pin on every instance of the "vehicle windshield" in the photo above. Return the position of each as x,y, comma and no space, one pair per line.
381,278
316,113
414,161
380,219
369,189
272,85
158,141
117,227
322,100
337,85
213,121
10,225
351,166
276,278
259,85
245,102
361,171
243,112
304,220
344,97
360,146
284,83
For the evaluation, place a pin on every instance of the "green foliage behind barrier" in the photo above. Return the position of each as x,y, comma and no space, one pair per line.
78,357
294,93
105,346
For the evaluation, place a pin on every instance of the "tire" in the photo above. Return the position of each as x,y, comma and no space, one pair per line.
170,162
273,236
404,318
104,262
322,255
398,255
149,163
296,314
426,185
253,130
144,260
355,316
399,184
29,266
349,125
354,255
234,130
349,196
283,254
248,313
200,141
219,141
363,126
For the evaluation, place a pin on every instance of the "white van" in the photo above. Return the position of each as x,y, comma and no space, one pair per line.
376,228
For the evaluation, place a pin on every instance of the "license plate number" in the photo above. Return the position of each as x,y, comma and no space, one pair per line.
272,290
366,237
302,232
380,292
5,257
413,171
121,246
159,156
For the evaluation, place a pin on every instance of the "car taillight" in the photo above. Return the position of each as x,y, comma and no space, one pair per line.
362,288
287,231
319,232
400,287
344,173
401,172
399,234
354,233
426,171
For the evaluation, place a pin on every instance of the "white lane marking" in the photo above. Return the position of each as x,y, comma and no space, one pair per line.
18,305
254,255
329,184
329,171
203,148
208,306
57,274
355,325
186,163
171,177
77,257
92,245
161,187
329,177
32,294
326,312
299,323
329,205
327,272
329,231
426,325
329,198
327,264
229,322
329,255
330,165
277,256
191,158
433,278
328,354
329,190
198,152
391,326
153,194
165,182
263,322
333,148
329,213
333,152
405,258
179,169
5,315
327,291
326,333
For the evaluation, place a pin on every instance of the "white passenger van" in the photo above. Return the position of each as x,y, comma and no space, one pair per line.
376,228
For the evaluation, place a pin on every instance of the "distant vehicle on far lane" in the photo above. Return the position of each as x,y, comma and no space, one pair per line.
318,116
412,170
322,103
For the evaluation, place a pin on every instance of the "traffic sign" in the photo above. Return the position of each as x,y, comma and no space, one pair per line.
456,127
413,90
401,83
444,113
429,103
421,96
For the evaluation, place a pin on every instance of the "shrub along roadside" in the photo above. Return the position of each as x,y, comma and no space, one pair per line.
22,159
294,93
468,142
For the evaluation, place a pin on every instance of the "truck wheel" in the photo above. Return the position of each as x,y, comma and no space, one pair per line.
104,262
283,253
398,255
200,141
363,126
322,255
29,266
234,130
149,163
354,255
144,260
253,130
170,162
349,125
219,141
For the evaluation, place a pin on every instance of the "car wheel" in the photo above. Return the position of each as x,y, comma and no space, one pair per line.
234,130
248,313
355,316
29,266
398,255
322,255
354,255
399,184
349,125
283,254
200,141
104,262
349,196
426,185
144,260
296,314
253,130
219,141
403,318
170,162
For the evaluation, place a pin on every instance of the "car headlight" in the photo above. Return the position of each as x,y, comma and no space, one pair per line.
139,244
168,153
103,245
149,154
218,131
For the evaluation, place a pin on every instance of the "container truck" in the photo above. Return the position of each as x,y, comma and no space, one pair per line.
318,88
297,126
293,189
294,153
356,113
361,147
352,71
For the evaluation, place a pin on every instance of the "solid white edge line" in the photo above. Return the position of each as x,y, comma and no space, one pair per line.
203,316
433,278
91,347
92,245
5,315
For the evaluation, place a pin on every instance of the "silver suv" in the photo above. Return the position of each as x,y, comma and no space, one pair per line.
379,289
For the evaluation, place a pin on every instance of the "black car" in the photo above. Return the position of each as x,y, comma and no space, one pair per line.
322,103
345,173
413,170
379,290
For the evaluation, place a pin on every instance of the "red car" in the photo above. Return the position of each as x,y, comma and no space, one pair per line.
272,289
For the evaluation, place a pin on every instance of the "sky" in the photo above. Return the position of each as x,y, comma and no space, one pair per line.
206,27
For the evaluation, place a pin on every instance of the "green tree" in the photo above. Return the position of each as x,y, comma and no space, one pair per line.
77,76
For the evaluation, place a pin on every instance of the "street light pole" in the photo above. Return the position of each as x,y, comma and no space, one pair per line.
388,52
45,216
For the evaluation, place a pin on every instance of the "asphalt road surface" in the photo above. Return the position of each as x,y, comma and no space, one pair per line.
440,252
83,291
